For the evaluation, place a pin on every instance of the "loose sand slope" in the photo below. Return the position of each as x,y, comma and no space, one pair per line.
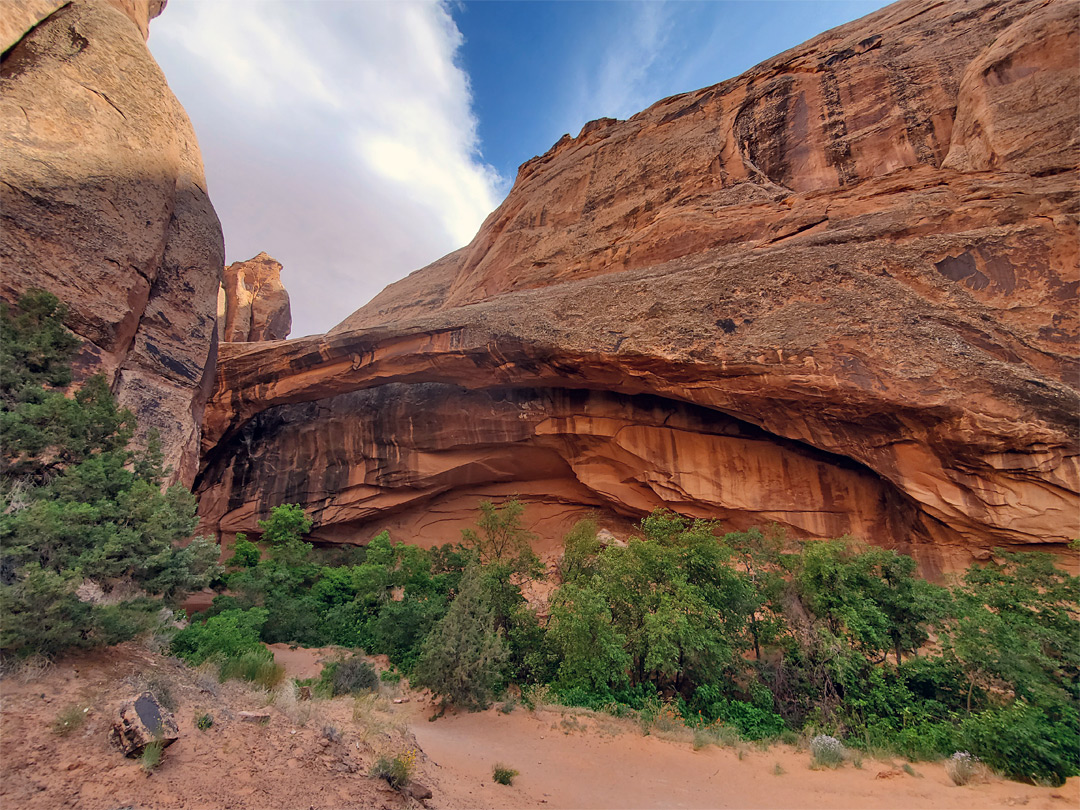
608,764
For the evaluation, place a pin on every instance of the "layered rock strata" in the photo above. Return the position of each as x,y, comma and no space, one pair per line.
103,202
253,305
838,293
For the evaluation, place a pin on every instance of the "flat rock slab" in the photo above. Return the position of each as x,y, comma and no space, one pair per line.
143,720
254,717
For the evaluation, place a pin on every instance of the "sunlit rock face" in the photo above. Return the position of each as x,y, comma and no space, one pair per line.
837,293
254,305
103,202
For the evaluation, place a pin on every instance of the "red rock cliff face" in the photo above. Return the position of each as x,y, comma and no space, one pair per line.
253,305
103,202
838,293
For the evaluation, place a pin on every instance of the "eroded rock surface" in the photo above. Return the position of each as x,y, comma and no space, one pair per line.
838,293
103,202
143,720
255,306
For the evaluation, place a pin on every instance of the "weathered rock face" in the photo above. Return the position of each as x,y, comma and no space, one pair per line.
254,306
103,202
838,292
142,721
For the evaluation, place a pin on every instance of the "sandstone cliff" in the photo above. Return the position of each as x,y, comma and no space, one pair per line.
838,293
253,305
103,202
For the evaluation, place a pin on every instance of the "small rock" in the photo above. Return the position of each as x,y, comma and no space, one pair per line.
418,791
142,721
254,717
401,700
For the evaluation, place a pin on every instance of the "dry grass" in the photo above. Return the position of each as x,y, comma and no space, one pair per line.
287,699
26,670
70,719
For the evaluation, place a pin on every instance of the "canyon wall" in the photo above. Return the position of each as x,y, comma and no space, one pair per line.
837,293
103,202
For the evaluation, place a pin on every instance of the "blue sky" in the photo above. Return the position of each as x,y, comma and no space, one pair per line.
358,140
539,69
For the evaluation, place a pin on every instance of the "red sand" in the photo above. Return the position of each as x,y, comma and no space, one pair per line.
565,759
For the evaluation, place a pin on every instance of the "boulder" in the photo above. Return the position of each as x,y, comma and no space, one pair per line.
143,720
418,791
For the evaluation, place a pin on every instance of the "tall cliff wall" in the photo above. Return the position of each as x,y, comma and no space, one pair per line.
838,293
103,202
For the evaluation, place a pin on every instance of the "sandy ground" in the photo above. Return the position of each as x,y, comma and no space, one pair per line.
566,758
286,763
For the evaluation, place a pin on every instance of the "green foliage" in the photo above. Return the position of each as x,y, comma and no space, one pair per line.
256,665
461,660
1024,743
245,553
348,677
396,769
151,755
500,537
1015,630
229,634
754,722
580,549
666,609
204,721
503,774
591,649
77,507
284,532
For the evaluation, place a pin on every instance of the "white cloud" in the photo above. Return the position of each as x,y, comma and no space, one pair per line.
624,78
337,136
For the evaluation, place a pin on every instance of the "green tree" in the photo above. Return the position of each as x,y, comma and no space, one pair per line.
1015,629
462,659
284,532
82,514
592,651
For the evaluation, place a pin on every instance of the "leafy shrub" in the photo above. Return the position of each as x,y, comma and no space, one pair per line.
922,741
204,721
396,769
753,722
349,677
503,775
390,676
228,635
826,752
1023,743
245,553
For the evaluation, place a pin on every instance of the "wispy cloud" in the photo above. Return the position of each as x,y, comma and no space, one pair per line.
623,78
337,136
